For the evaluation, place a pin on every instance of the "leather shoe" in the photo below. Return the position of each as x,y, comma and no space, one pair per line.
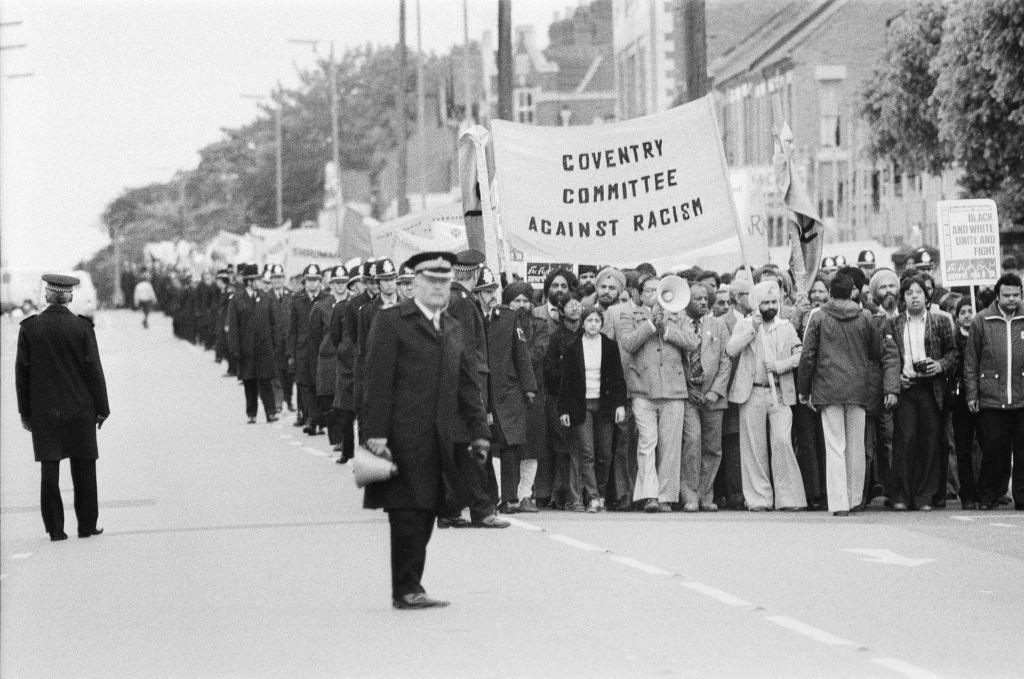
528,505
418,600
57,536
94,531
967,506
841,512
252,420
925,508
272,418
491,521
691,507
708,507
899,506
452,522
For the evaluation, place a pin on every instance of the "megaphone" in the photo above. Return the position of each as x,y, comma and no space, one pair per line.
673,293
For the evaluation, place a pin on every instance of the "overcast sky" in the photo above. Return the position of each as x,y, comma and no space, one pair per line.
125,93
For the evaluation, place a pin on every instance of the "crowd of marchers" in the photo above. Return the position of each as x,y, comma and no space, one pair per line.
870,388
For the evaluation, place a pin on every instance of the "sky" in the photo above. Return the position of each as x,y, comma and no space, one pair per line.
125,93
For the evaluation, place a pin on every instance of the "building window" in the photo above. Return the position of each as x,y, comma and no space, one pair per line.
830,123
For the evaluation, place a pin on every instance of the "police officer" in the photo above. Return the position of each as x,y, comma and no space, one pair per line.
351,328
384,278
253,326
300,357
62,399
866,262
280,299
419,389
344,405
327,354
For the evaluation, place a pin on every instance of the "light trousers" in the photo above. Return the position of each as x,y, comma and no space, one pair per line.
844,455
660,425
702,453
759,416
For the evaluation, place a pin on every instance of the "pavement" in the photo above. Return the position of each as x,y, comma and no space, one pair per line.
237,550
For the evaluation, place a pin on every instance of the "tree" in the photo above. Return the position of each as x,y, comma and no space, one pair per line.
902,120
950,92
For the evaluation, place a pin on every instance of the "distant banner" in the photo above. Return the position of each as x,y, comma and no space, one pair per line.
968,242
537,272
620,193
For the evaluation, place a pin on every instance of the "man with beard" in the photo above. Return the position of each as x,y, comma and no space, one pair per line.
588,280
884,288
707,371
510,389
996,343
559,286
300,356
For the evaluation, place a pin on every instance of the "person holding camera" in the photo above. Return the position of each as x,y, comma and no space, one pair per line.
927,351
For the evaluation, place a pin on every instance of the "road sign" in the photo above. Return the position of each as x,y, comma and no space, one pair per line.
968,242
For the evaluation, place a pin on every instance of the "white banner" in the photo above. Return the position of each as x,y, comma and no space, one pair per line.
968,242
619,193
749,188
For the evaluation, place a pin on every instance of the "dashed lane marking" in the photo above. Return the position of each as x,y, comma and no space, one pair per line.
963,518
1005,525
523,524
295,443
640,565
585,546
808,631
717,594
905,668
21,555
285,437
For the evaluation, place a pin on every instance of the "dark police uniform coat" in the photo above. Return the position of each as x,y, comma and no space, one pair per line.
343,357
320,337
282,307
466,311
419,383
297,339
253,326
350,328
367,313
60,384
511,374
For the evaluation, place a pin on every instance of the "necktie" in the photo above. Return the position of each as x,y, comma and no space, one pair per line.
437,321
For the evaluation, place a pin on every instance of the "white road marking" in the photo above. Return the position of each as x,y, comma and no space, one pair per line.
716,594
314,451
640,565
1005,525
809,631
886,556
523,524
963,518
586,547
295,443
905,668
21,555
286,436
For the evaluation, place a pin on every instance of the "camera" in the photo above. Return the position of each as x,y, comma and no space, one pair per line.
921,367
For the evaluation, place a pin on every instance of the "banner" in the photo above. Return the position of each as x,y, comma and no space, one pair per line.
801,215
619,193
968,242
748,188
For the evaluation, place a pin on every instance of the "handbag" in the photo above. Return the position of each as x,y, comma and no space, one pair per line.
369,468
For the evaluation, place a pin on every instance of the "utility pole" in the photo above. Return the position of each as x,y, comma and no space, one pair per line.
467,81
421,110
403,135
695,36
278,162
505,59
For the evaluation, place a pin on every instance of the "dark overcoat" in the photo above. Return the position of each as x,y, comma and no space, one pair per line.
572,392
419,383
282,307
343,356
466,311
297,343
253,326
510,374
320,337
59,380
350,330
367,313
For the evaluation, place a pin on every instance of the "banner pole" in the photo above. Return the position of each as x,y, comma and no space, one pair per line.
725,168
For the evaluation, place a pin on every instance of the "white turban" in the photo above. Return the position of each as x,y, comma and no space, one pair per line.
760,292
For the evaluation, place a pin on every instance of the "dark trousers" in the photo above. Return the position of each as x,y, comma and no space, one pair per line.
344,429
510,457
287,385
262,389
325,415
965,428
592,452
810,451
878,433
729,483
83,476
915,447
410,533
477,485
307,402
1002,438
622,470
552,468
945,449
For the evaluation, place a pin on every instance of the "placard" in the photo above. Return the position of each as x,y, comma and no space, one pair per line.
968,242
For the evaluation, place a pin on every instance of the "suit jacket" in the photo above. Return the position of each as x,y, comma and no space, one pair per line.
939,345
510,374
60,385
252,333
419,383
714,361
655,365
741,344
572,391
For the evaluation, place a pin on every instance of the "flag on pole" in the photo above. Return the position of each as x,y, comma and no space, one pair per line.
476,172
807,233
